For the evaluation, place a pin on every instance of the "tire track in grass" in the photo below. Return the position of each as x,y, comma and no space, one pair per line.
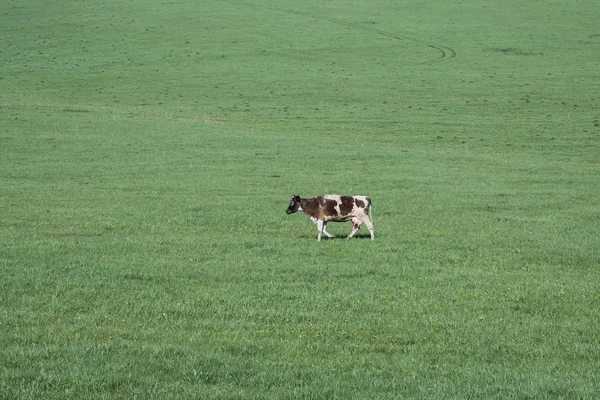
445,52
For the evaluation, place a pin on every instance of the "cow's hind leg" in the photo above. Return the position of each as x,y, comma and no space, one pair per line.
356,224
367,221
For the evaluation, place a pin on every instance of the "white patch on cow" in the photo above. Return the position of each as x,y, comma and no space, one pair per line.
335,197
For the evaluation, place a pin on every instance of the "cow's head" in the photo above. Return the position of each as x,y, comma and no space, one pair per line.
294,205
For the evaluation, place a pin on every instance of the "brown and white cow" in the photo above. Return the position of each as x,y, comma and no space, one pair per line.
335,208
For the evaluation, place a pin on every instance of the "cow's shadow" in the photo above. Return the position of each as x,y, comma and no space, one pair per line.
362,236
358,236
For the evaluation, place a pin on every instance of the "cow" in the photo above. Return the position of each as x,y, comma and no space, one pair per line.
335,208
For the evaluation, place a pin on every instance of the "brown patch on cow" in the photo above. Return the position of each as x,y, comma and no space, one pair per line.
327,207
310,207
359,203
347,205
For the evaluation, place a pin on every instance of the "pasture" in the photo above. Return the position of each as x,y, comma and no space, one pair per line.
148,151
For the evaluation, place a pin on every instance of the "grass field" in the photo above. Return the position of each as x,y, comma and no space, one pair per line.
148,151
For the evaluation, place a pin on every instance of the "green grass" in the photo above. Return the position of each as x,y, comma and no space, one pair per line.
148,151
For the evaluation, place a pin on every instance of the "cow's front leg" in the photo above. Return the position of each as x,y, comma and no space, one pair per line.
320,228
329,235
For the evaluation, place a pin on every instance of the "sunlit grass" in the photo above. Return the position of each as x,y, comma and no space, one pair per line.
148,152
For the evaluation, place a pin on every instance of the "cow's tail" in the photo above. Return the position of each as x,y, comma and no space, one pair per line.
370,209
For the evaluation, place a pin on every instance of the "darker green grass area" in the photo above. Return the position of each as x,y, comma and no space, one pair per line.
148,152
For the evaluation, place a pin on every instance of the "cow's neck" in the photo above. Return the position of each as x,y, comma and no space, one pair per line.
310,207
